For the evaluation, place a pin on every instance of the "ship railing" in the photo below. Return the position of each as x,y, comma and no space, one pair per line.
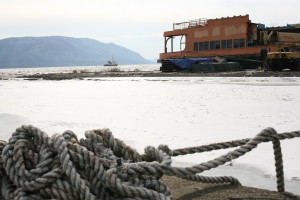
190,24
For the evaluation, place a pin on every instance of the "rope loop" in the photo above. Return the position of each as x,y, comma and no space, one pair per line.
99,166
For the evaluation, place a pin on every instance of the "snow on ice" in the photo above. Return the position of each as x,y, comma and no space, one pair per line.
179,112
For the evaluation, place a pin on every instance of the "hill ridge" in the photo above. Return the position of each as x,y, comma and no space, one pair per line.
61,51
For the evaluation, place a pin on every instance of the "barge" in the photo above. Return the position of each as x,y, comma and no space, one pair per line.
232,40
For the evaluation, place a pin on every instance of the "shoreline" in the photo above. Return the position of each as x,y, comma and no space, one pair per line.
83,74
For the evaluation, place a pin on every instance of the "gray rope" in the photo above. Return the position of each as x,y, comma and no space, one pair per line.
36,166
222,145
266,135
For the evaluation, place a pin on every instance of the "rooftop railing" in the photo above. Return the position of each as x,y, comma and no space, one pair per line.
190,24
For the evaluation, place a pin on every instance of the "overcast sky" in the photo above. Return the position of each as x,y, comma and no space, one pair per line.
135,24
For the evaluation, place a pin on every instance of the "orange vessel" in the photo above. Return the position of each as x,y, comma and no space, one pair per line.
234,38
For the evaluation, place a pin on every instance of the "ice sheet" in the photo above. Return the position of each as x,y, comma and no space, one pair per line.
179,112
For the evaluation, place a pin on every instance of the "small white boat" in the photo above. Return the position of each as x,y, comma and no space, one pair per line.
111,62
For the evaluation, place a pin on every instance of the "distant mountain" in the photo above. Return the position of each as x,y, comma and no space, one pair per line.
56,51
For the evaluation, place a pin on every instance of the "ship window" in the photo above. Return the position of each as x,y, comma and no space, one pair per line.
196,46
201,47
229,44
249,42
218,44
242,42
212,45
206,44
236,43
223,44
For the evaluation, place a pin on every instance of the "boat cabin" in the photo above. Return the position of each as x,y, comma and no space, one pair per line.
235,38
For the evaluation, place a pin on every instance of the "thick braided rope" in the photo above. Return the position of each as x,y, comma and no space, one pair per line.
222,145
266,135
36,166
14,164
278,165
60,145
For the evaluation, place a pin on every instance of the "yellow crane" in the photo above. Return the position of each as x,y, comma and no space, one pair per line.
288,54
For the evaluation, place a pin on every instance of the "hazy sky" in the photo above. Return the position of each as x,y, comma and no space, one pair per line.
135,24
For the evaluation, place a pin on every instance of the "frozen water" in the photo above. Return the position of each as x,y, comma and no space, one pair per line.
45,70
179,112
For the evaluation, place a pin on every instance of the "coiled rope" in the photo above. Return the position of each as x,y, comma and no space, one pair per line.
35,166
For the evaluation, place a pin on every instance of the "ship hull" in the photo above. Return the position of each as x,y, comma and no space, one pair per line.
235,38
109,65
